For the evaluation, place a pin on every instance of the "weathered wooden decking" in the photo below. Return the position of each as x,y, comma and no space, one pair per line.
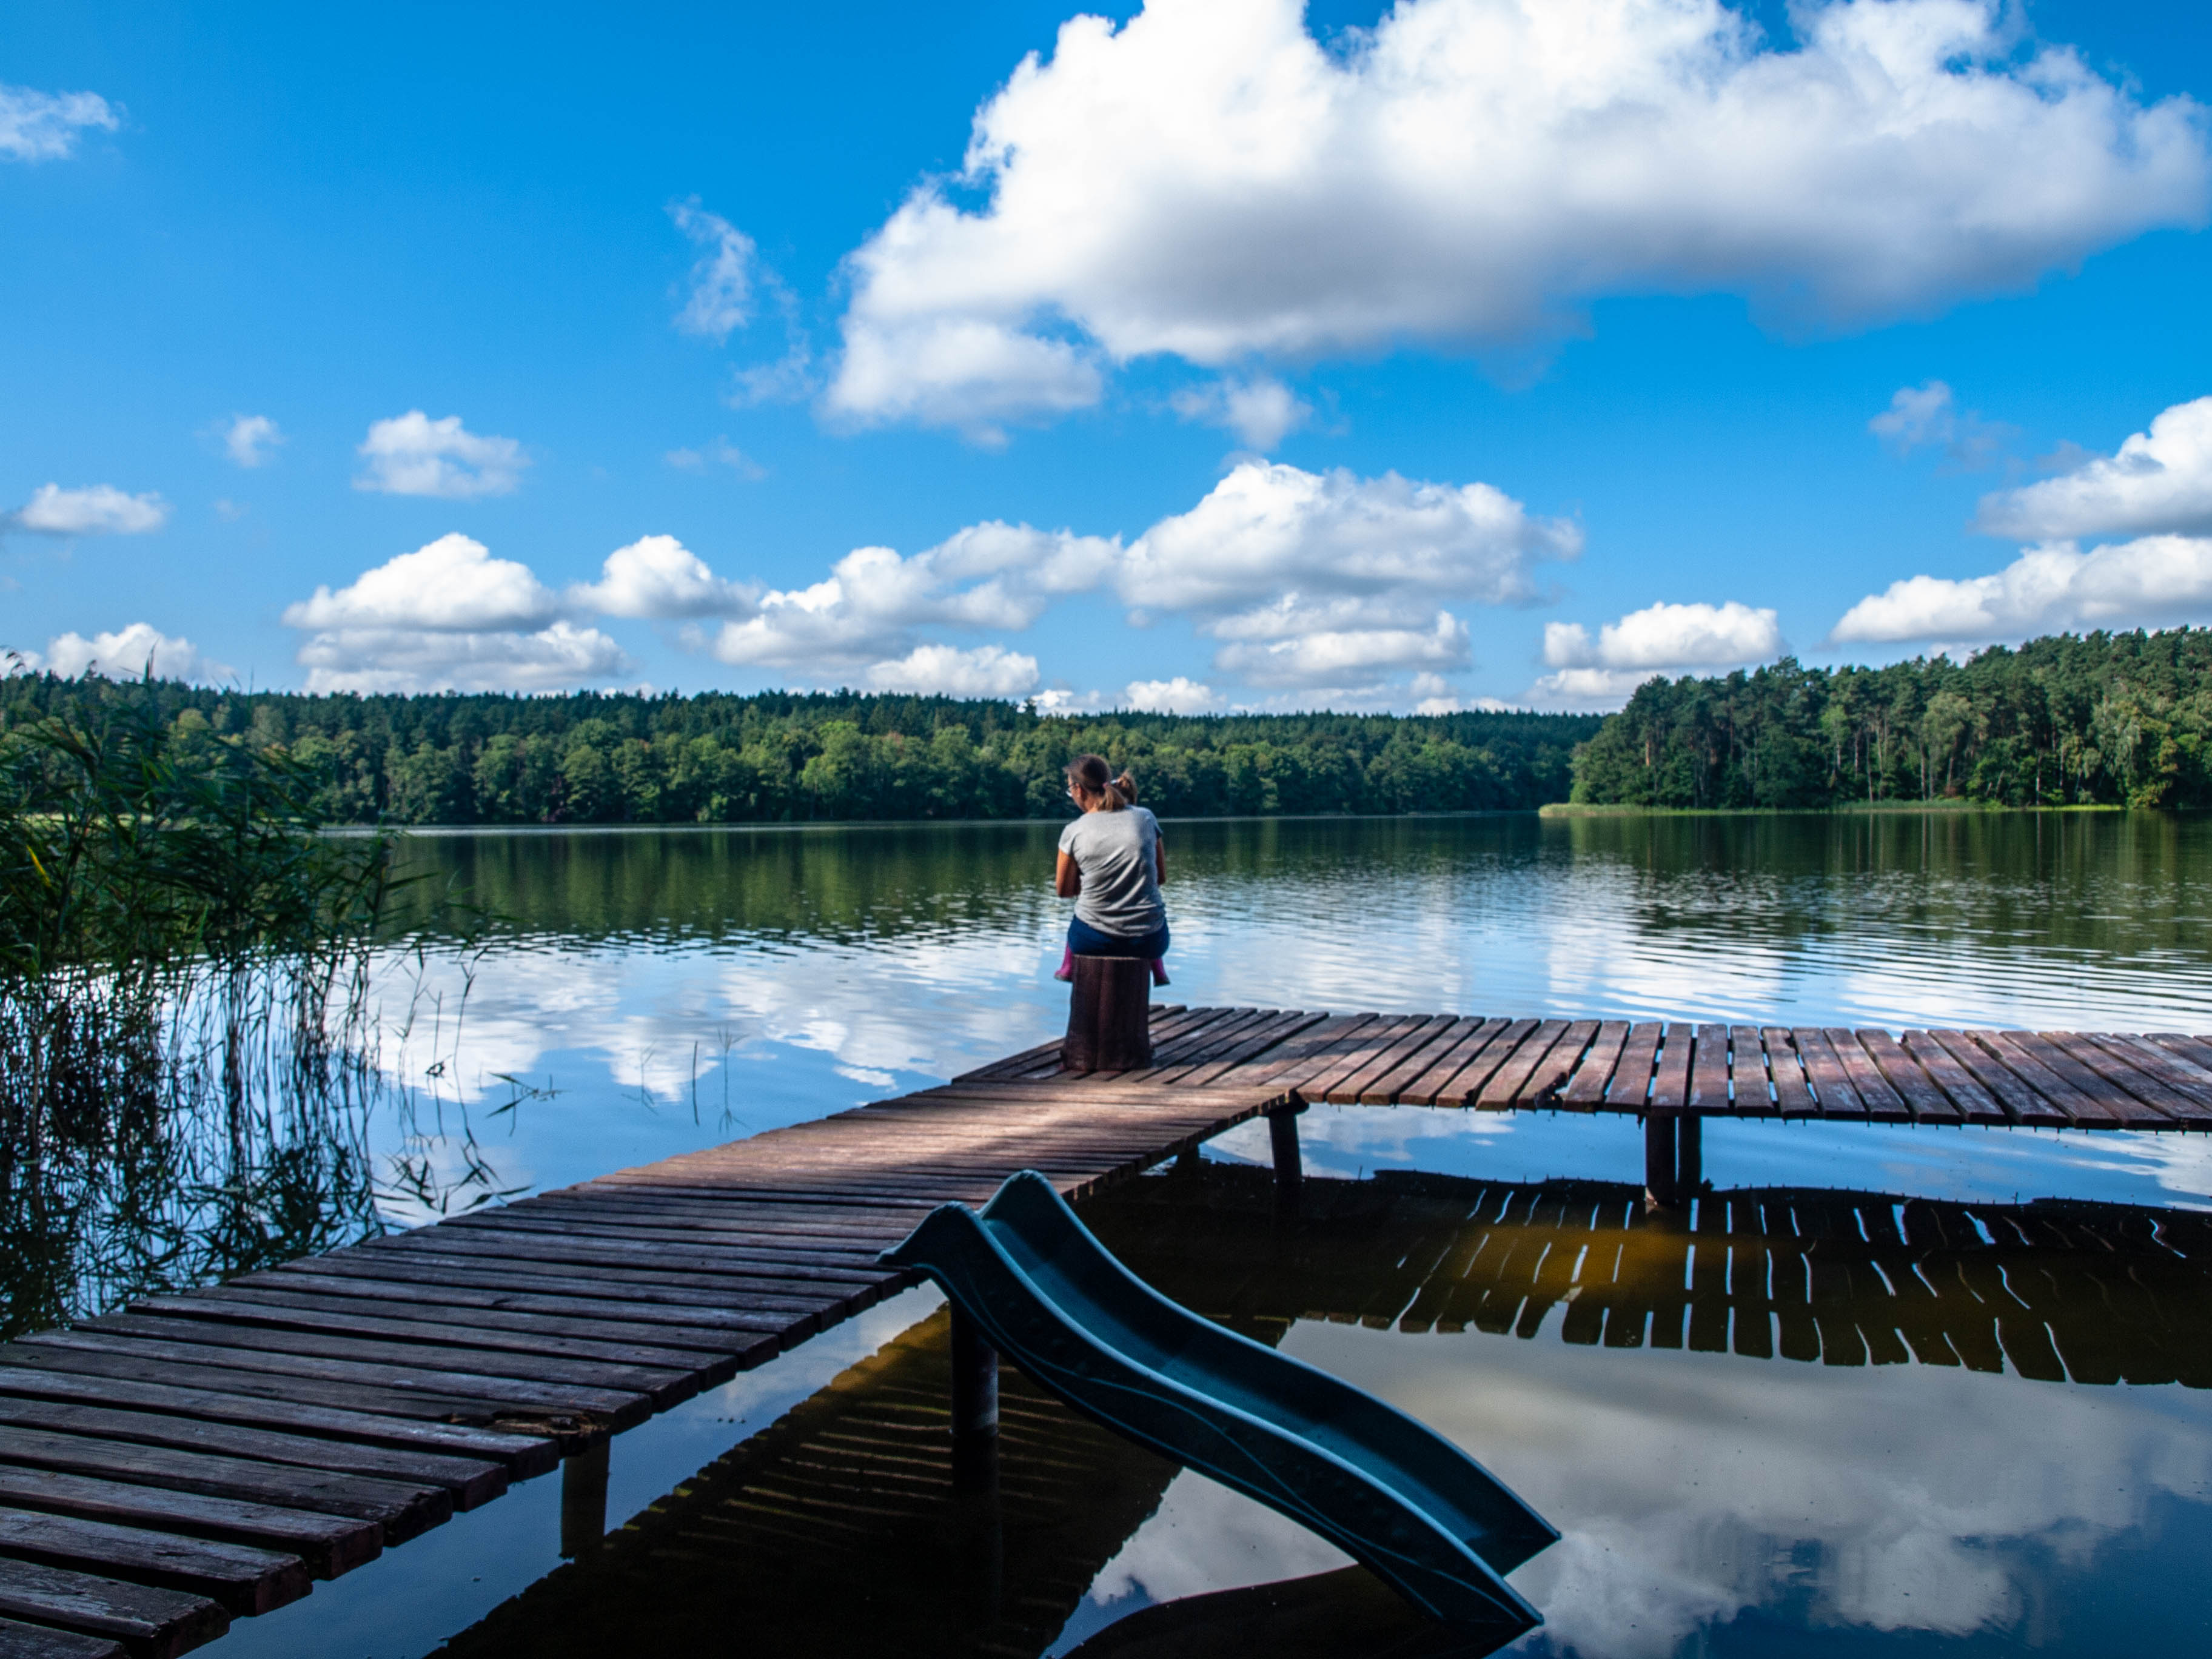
200,1456
2033,1079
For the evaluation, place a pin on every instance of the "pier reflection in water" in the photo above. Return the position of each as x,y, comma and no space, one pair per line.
2001,1445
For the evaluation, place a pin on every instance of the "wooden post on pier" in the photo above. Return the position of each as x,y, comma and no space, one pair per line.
974,1406
1660,1187
584,1499
1283,1142
1689,1158
1108,1016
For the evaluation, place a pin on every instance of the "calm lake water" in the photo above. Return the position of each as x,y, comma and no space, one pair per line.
1730,1472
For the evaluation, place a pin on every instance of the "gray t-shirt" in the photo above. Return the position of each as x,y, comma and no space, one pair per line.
1119,856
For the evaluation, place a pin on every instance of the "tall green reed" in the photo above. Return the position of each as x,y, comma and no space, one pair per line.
188,1063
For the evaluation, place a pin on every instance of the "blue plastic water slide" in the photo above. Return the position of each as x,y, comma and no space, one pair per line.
1392,1493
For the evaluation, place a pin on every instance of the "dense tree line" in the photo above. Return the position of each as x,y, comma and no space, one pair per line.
779,757
2071,719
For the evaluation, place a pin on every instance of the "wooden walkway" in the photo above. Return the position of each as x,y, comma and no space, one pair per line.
2031,1079
196,1457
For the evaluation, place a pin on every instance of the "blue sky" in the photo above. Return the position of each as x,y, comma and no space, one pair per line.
1224,356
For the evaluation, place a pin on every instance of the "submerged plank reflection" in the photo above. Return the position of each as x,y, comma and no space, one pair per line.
2056,1289
838,1530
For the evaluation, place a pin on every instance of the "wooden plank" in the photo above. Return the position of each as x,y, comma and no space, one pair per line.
1832,1085
1544,1080
1709,1071
1973,1102
515,1288
2051,1075
1460,1041
567,1430
328,1544
1670,1075
1923,1097
1630,1088
1341,1085
403,1511
21,1641
505,1273
157,1623
243,1579
2071,1085
1456,1081
1513,1069
690,1341
1793,1088
2018,1098
1218,1073
434,1338
1587,1087
2141,1077
1749,1093
57,1376
2184,1077
1882,1103
619,1407
2196,1050
468,1481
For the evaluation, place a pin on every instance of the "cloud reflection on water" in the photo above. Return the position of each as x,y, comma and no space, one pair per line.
679,988
1689,1486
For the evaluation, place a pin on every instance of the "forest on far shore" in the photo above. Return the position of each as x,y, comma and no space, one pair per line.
778,756
2066,720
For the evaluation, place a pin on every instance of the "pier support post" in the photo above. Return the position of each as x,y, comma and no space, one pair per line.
975,1407
1109,1015
1282,1143
1659,1153
1689,1158
584,1499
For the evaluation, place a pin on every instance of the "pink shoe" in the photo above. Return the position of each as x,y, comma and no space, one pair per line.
1067,969
1160,971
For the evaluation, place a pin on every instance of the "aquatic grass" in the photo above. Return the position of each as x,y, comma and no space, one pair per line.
188,1047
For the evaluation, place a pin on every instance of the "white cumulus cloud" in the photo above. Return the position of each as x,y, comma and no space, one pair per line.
125,654
658,578
1345,659
1661,638
720,298
412,454
1180,696
1309,577
2161,481
1927,416
2150,580
1208,180
369,659
44,126
987,671
451,583
1260,411
1266,529
989,576
450,618
248,438
95,510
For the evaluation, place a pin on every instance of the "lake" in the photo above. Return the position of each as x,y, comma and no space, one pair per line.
1749,1478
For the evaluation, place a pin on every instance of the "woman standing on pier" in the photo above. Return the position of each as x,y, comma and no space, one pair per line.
1111,864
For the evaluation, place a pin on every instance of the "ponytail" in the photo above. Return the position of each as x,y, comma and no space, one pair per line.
1090,775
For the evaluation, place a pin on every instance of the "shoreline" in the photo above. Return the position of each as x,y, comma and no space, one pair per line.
1862,809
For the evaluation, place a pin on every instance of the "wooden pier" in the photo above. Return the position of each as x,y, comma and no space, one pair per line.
194,1458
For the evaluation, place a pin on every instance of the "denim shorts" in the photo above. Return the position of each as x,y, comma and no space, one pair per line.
1087,941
